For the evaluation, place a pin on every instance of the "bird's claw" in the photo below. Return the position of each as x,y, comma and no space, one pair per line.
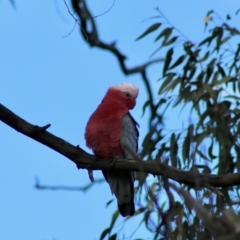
90,171
97,158
90,175
114,159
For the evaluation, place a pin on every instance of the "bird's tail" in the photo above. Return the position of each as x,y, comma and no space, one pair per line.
121,184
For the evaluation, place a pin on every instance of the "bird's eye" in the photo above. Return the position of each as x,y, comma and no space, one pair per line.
127,94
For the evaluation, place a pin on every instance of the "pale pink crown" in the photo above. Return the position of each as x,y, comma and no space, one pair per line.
127,87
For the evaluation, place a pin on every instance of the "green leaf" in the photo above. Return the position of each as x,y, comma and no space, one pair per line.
169,77
167,60
163,205
147,216
173,84
212,62
236,57
219,33
147,103
205,57
153,186
167,105
114,218
161,102
187,143
178,61
238,85
203,117
199,138
161,150
173,150
113,237
215,77
202,155
206,40
209,89
109,202
209,73
221,70
232,30
104,233
147,138
233,97
223,80
192,69
152,28
165,33
210,12
186,95
210,154
237,149
170,41
147,144
225,40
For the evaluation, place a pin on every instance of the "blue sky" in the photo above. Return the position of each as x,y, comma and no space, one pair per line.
46,78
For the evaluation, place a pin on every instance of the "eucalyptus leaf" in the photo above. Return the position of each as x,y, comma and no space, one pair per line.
151,29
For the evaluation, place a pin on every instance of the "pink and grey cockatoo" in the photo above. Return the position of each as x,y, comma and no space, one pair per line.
112,133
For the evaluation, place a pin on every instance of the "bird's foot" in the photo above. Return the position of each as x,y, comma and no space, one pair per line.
97,158
114,159
90,175
90,171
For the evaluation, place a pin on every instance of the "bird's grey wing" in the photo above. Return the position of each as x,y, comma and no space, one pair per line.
129,137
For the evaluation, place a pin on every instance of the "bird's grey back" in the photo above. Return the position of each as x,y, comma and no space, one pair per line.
129,137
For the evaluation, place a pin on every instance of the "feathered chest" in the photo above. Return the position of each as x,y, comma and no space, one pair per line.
110,134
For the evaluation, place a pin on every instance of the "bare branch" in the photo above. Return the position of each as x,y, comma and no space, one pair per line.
86,161
90,34
66,188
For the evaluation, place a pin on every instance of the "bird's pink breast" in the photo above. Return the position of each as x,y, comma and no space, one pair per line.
103,131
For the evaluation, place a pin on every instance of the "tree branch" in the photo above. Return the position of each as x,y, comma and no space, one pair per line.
86,161
90,34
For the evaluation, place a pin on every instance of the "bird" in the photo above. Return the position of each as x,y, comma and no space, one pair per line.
112,133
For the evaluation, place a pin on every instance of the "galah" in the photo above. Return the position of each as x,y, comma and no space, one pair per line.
112,133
